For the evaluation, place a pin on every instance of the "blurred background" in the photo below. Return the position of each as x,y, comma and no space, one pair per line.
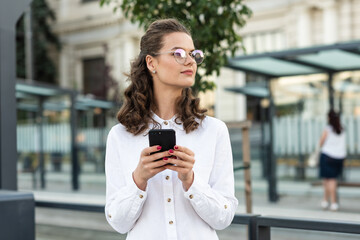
71,60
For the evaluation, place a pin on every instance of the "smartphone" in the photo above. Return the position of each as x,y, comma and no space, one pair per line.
163,137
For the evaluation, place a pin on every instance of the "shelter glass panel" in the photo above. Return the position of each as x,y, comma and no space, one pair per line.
333,59
43,142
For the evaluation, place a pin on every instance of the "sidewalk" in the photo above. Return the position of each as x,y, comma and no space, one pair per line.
296,199
54,224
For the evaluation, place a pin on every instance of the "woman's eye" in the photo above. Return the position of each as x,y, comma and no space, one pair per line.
180,53
177,54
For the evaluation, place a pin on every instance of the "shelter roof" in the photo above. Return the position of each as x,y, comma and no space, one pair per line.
302,61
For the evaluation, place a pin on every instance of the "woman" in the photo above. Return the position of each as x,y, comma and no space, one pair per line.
333,153
190,194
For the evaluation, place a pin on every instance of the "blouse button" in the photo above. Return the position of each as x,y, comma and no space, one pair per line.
169,199
109,215
225,206
191,196
166,122
171,222
167,177
141,196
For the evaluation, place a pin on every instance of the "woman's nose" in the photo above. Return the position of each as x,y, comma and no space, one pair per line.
191,61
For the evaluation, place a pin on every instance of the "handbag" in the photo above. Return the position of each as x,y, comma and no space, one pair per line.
313,159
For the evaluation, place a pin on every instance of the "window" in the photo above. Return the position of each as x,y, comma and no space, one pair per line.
264,42
94,73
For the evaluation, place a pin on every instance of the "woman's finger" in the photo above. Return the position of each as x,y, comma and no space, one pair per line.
179,163
180,170
157,164
147,151
156,156
183,156
184,149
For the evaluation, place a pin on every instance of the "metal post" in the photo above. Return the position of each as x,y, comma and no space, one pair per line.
103,140
300,169
9,13
264,233
29,46
40,123
272,180
263,147
252,229
341,98
74,149
331,90
8,156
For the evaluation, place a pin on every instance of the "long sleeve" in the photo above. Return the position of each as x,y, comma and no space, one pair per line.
124,200
214,201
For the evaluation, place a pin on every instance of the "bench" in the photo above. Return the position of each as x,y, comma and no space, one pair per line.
340,184
294,162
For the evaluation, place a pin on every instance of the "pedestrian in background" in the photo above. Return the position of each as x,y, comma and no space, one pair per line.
190,194
333,154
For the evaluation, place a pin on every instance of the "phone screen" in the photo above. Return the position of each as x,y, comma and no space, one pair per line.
163,137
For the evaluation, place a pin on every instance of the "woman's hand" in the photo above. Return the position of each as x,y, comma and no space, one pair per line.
148,167
183,160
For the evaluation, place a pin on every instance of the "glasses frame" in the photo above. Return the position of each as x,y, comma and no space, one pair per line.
187,54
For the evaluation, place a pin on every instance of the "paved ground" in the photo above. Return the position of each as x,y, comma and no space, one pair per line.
297,199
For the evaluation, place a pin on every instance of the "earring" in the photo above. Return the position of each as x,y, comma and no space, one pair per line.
154,71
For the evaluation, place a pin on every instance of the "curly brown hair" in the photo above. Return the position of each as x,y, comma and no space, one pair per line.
136,113
334,121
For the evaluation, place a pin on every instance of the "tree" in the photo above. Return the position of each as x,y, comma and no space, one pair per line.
214,26
43,40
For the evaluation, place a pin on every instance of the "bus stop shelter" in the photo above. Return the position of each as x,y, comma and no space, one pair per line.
326,59
11,89
35,97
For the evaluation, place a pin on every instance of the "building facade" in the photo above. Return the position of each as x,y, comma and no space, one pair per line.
95,37
289,24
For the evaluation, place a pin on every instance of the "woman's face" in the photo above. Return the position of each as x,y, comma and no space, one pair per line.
168,71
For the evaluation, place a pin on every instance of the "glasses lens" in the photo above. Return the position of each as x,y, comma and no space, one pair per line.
180,55
198,55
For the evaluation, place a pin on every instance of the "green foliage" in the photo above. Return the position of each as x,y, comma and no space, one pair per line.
213,23
43,39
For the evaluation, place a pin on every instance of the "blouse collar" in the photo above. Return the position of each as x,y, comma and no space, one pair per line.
170,123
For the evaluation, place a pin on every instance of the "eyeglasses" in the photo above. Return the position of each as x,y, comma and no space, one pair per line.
180,55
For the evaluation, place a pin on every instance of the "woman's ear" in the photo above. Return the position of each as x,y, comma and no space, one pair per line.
150,63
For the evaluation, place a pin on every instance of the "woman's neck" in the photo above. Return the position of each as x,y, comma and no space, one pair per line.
165,101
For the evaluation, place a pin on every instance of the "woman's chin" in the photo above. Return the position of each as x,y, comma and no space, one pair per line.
187,83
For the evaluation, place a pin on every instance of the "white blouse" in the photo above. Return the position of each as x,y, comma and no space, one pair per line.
165,211
335,144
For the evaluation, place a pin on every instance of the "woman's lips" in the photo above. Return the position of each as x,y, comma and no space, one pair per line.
188,72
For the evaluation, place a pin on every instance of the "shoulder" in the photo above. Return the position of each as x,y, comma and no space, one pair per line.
214,130
213,123
118,128
328,128
212,120
118,131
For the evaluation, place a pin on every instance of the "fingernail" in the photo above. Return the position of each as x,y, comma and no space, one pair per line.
171,151
165,158
158,147
174,157
176,147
